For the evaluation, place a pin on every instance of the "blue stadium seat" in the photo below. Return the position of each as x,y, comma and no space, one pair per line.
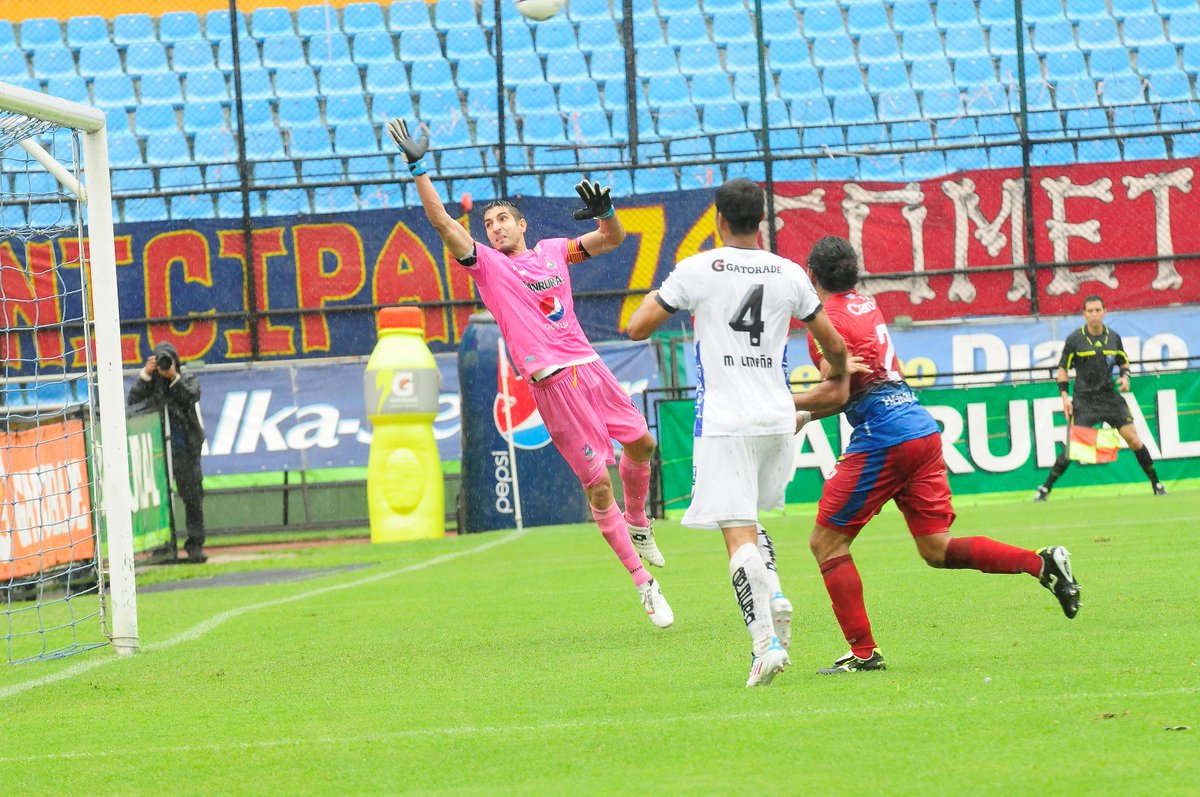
203,116
1004,157
778,115
792,170
605,65
176,177
481,101
915,133
366,16
965,43
1050,123
732,26
588,126
69,87
780,25
1169,8
355,138
1133,119
150,119
301,110
598,35
229,205
402,15
1052,35
178,26
647,31
1075,94
465,43
924,165
167,149
679,120
954,16
883,167
275,172
584,10
653,61
821,20
854,108
555,36
518,40
887,77
374,166
287,202
876,48
1138,31
454,14
1122,90
1185,27
971,72
1008,70
1104,62
958,130
839,79
309,141
682,29
132,180
340,80
1097,32
123,149
1179,115
100,59
1068,65
823,139
711,87
1147,148
376,47
1050,154
544,127
86,32
863,19
13,65
816,111
160,89
282,51
743,57
263,143
130,29
272,21
477,72
535,97
1170,87
487,129
1157,59
566,67
386,77
296,81
1098,151
113,90
431,75
664,91
41,32
322,20
655,180
51,62
995,128
345,108
209,86
614,96
248,53
836,168
898,104
215,147
833,50
145,58
439,103
192,54
334,199
724,117
921,44
525,69
144,209
217,27
580,95
932,73
549,158
743,143
1080,10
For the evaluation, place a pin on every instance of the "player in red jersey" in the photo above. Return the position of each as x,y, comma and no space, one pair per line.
895,453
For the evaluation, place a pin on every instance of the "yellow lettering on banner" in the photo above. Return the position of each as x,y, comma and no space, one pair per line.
695,239
919,371
650,225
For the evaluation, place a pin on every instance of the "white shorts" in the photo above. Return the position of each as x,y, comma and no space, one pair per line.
734,477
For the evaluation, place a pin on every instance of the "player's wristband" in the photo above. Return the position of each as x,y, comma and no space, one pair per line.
804,415
417,167
608,214
1064,387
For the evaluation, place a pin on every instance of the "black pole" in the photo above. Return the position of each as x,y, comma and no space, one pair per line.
631,90
501,104
244,181
1026,170
769,175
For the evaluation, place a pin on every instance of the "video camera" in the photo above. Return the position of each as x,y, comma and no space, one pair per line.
164,361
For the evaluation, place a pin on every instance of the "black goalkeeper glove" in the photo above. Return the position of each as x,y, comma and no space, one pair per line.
413,150
597,203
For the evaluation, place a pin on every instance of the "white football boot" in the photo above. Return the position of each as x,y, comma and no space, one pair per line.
781,616
643,541
657,608
765,667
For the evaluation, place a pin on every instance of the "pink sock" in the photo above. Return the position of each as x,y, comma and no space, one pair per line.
635,479
616,534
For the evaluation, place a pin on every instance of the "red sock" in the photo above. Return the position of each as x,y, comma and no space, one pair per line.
845,590
989,556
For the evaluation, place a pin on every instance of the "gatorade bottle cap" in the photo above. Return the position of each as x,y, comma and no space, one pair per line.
402,318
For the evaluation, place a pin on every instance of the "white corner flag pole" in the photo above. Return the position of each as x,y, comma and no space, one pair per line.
512,450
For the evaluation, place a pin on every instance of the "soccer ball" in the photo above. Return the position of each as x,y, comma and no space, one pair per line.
539,10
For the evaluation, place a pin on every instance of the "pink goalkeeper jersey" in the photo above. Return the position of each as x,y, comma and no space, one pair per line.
530,296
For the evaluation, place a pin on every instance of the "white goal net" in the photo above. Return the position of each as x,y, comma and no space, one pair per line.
66,550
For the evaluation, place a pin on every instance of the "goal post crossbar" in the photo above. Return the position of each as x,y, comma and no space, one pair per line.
117,500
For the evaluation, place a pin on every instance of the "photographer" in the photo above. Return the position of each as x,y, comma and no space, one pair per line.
162,384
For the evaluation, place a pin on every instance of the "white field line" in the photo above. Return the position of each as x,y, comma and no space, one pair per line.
581,724
202,628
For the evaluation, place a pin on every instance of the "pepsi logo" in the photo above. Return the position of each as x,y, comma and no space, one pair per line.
528,430
552,308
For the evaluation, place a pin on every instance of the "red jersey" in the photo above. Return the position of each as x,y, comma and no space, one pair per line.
861,325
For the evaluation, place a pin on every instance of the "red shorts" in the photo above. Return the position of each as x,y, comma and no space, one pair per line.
913,473
585,408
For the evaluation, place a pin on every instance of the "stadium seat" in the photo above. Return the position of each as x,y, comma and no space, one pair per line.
584,10
518,39
322,20
898,104
144,209
113,90
1042,10
666,91
150,119
130,29
1097,32
964,42
340,80
86,32
276,172
487,130
1104,62
209,86
386,78
263,143
271,21
355,138
932,73
334,199
1050,123
833,50
1068,65
13,65
191,55
960,130
1050,154
1008,70
454,14
287,202
69,87
465,43
130,180
41,32
996,128
655,180
581,95
345,108
358,17
282,51
566,66
296,81
248,53
49,62
376,47
1099,151
731,26
431,74
723,117
1170,87
1158,59
605,65
823,20
921,44
863,19
1133,119
309,141
1186,145
711,87
100,59
588,127
1004,157
537,97
402,15
913,133
439,104
545,127
215,147
167,149
1052,35
374,166
300,110
145,58
1002,40
823,139
971,72
1185,27
780,25
179,177
883,167
217,26
838,167
887,77
477,72
777,113
555,36
160,89
879,48
1144,29
736,144
1179,115
682,29
1080,10
204,116
840,79
679,120
598,35
1122,90
178,26
816,111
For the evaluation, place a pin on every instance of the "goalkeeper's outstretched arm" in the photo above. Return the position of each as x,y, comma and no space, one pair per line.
457,240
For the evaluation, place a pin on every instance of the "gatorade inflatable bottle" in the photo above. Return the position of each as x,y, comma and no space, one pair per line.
405,494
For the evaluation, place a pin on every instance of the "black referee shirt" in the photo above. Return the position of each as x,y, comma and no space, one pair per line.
1093,358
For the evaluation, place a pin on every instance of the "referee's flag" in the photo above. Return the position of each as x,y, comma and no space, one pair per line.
1093,446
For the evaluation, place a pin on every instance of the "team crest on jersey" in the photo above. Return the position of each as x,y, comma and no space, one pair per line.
552,308
588,453
551,264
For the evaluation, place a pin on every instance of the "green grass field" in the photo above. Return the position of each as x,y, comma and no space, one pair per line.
522,664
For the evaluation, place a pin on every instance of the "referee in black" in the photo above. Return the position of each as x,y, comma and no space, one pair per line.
1093,350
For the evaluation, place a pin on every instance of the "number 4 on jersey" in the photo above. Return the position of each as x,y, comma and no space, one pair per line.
748,316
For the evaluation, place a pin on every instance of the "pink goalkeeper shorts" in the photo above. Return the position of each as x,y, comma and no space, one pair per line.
585,409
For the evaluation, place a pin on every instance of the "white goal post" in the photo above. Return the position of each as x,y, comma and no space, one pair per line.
111,501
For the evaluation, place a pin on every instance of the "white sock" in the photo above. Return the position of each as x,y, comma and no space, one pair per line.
767,551
748,574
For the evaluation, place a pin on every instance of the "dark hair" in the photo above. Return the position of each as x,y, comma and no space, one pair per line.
834,264
1092,298
740,201
504,203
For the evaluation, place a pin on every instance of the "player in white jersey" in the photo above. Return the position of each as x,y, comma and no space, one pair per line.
742,300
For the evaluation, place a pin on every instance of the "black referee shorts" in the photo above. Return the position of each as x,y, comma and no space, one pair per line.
1107,408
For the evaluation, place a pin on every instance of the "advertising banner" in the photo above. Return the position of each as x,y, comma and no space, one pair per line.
148,482
301,415
319,269
994,439
45,499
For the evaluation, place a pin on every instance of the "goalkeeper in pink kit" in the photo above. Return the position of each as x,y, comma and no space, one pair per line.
528,290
